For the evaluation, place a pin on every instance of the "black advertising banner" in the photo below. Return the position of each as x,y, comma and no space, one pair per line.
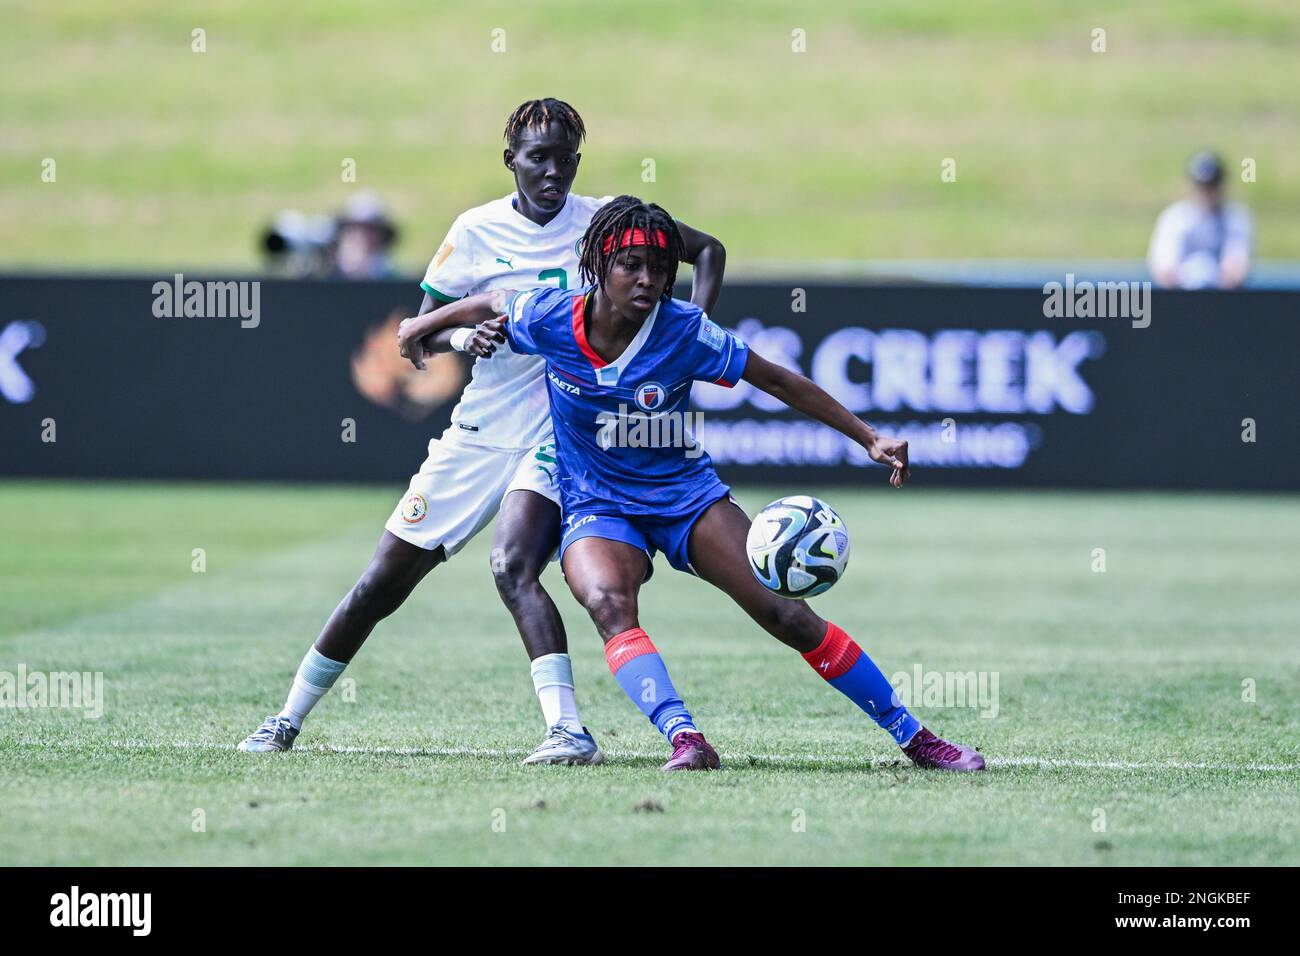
1198,392
311,388
191,377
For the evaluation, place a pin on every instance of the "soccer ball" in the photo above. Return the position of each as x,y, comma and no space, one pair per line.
798,546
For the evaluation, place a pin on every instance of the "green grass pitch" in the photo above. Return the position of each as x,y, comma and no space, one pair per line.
1125,731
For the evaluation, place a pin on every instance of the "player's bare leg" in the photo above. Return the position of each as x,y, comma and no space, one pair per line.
605,576
395,569
717,552
527,534
720,560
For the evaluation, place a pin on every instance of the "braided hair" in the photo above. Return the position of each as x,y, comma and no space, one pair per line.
615,218
540,114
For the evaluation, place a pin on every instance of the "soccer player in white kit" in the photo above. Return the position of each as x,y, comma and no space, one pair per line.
498,453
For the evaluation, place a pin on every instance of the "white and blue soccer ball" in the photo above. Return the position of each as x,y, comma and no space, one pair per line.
798,546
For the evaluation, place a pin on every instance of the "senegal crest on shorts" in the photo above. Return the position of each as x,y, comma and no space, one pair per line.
413,508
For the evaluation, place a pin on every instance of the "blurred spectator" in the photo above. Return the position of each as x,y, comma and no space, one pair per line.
355,244
1202,242
364,240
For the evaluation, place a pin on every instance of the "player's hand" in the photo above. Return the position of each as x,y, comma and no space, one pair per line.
892,451
409,345
486,337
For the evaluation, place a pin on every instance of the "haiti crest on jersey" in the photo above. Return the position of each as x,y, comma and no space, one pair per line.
650,396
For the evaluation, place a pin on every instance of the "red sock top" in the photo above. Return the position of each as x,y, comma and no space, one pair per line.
623,647
835,655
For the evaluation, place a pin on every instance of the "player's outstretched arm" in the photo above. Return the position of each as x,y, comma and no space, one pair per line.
441,342
804,395
708,259
413,334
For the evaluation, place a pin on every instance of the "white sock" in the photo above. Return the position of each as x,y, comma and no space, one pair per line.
553,681
316,675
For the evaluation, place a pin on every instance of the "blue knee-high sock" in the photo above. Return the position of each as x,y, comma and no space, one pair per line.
840,660
640,671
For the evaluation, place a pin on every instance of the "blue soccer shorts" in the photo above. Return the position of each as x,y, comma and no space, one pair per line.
669,533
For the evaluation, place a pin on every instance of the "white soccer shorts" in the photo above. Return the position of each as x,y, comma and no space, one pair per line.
460,486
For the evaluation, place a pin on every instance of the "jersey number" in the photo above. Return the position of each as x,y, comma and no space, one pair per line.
546,275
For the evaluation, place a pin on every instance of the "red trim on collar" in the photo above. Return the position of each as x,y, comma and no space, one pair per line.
580,332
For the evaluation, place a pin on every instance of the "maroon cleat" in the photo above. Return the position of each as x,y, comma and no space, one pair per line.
927,750
692,752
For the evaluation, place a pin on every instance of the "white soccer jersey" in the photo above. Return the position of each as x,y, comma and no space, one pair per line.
492,247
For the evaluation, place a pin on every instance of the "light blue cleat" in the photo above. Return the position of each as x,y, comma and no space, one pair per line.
563,746
276,733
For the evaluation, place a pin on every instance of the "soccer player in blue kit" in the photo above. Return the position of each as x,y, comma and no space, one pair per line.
620,350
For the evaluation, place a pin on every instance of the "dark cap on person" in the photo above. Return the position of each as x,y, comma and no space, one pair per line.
1205,169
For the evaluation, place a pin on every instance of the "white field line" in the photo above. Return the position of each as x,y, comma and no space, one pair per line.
738,759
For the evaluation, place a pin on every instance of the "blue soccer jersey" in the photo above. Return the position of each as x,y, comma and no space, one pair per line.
624,435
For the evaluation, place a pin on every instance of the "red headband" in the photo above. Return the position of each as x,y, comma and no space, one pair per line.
637,237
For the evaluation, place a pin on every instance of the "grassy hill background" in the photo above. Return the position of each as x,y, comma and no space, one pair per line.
171,158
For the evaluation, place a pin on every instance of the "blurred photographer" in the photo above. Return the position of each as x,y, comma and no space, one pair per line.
355,244
299,245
